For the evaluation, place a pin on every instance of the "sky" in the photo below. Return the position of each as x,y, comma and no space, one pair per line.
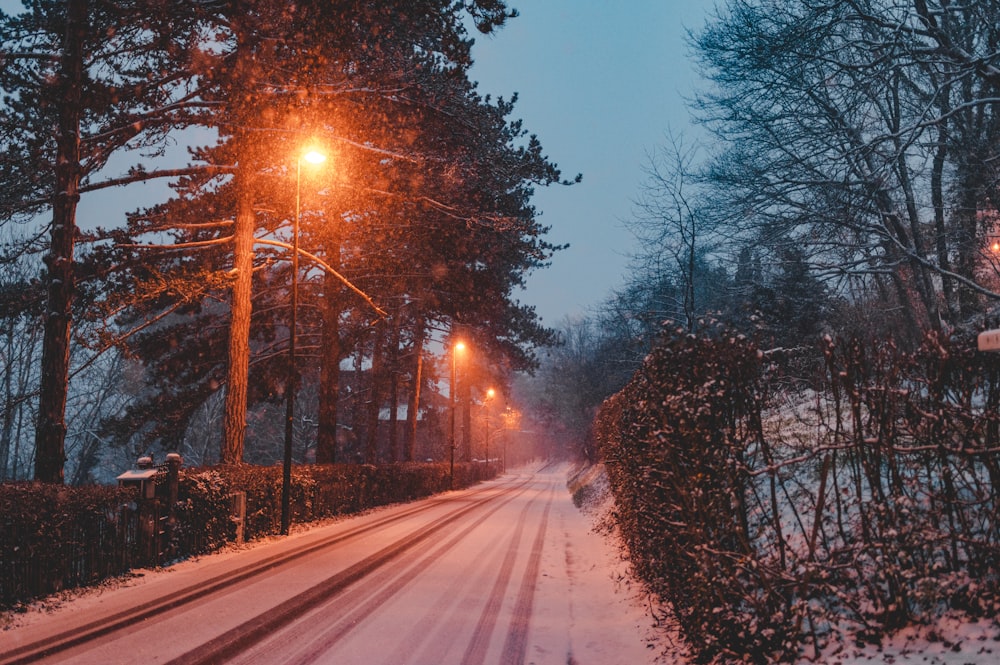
601,83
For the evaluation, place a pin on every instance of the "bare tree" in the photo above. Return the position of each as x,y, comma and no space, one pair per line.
673,231
846,124
20,345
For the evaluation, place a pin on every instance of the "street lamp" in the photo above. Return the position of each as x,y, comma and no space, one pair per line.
508,419
313,157
486,407
459,346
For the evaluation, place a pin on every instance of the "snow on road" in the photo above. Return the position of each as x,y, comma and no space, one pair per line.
587,611
507,572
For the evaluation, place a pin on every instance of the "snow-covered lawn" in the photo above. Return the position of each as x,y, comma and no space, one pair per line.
952,640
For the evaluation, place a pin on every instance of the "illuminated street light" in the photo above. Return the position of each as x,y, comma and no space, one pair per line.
490,394
509,418
313,157
459,346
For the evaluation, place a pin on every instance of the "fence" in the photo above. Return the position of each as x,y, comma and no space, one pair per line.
54,537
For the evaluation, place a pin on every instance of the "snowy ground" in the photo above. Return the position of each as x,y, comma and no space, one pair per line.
952,641
611,620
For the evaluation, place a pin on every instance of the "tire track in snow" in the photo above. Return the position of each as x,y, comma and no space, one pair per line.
475,654
346,611
517,636
235,641
423,630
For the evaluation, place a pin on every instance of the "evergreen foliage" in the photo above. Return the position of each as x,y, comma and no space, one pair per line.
425,210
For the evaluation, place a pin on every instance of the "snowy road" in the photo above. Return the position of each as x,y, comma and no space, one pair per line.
505,572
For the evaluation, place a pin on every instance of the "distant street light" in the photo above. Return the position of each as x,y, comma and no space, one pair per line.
313,157
490,394
459,346
508,420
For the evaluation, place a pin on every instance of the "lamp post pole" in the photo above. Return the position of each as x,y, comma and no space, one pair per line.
506,435
486,407
451,417
286,476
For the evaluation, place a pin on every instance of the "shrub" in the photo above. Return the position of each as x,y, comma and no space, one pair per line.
54,537
769,514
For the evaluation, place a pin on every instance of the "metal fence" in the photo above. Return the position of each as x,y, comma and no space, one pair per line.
77,542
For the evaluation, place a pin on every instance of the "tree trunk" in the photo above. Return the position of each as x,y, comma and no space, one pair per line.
465,394
241,307
967,225
329,381
941,232
413,406
393,352
357,424
8,404
374,394
50,435
235,414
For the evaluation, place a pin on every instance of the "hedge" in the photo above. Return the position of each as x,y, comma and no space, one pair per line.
774,512
54,537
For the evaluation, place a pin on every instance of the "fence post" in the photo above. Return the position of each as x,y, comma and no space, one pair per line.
238,512
174,462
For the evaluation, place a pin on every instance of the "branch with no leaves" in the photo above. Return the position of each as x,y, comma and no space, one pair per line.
328,268
182,245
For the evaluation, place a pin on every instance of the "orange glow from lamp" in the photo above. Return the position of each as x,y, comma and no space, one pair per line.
312,156
459,346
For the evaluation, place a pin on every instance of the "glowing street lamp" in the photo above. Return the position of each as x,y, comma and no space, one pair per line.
459,346
313,157
509,419
490,394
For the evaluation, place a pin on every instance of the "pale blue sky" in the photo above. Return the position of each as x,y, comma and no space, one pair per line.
600,83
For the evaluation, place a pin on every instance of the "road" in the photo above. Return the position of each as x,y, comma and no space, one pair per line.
505,572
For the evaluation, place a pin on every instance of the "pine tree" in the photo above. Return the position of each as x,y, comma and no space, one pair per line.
93,70
426,202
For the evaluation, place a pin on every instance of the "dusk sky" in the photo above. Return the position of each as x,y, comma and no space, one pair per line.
600,83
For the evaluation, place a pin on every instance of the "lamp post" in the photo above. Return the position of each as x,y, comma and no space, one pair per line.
313,157
459,346
486,407
508,418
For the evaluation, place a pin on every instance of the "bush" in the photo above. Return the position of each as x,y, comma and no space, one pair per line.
769,514
54,537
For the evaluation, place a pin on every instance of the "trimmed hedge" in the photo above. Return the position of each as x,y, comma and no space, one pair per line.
775,513
54,537
317,492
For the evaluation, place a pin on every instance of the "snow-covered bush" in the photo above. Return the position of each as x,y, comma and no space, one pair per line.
769,513
54,537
